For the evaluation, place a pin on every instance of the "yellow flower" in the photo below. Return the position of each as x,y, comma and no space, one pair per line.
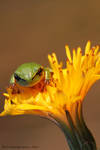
67,86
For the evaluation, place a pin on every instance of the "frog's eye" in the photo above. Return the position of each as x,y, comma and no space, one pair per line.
18,78
39,73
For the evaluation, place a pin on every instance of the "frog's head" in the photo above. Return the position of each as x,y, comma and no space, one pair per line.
28,74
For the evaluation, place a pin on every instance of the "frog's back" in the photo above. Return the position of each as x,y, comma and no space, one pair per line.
28,67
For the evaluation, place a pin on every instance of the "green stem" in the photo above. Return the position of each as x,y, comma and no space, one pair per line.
89,139
68,132
75,130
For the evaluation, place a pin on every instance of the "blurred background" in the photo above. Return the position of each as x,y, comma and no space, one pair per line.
29,30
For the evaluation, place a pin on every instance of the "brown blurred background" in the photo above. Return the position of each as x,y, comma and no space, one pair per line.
29,30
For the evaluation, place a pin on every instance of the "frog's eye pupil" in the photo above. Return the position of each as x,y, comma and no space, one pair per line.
18,78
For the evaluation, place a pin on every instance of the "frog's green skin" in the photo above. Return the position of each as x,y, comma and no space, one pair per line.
29,74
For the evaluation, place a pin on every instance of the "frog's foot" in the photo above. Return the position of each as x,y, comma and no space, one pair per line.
14,89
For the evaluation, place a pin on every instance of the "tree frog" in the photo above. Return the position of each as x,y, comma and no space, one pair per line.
29,74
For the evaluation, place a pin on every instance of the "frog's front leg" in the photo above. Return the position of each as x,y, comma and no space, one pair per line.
48,75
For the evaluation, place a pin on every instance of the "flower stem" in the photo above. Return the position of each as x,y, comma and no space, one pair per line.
85,132
78,126
75,130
